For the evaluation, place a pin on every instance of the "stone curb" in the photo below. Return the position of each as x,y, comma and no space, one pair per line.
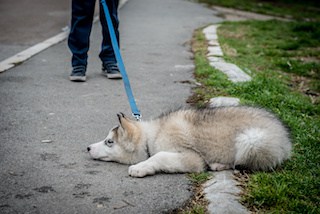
222,193
215,54
223,101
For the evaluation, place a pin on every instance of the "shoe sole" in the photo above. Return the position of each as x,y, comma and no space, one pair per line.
112,76
77,78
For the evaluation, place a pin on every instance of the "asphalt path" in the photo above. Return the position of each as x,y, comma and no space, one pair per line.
46,121
24,23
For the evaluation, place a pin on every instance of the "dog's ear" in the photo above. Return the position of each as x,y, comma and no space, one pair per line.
128,132
120,117
125,122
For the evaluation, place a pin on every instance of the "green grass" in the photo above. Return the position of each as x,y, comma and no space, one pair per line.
283,59
278,47
296,9
199,178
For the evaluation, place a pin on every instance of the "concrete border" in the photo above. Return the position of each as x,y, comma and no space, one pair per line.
22,56
215,54
222,193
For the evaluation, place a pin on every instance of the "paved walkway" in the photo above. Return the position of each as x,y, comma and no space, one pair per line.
46,121
28,22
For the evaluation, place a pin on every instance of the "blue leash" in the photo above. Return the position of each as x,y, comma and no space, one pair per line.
132,102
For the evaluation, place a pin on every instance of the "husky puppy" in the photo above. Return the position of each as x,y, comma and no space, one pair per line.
190,140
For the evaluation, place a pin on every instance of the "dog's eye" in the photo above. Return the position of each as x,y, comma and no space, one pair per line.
108,142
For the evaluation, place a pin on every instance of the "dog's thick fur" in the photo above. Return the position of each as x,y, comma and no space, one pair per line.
190,140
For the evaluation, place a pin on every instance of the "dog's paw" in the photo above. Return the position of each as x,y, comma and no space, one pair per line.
140,170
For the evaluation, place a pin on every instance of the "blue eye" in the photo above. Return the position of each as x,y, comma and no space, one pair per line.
108,142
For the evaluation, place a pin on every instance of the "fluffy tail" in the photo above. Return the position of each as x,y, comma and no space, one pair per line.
262,149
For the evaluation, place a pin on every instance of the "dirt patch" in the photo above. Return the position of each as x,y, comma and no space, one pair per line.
231,14
197,204
302,84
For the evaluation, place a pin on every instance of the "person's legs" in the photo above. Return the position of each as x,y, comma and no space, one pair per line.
79,37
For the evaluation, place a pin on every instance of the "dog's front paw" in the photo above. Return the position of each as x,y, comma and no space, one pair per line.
140,170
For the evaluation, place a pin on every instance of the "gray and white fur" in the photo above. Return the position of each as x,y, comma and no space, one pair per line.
190,140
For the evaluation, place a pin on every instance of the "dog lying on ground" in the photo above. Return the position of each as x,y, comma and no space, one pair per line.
189,140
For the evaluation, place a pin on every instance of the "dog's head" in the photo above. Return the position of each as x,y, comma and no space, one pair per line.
123,143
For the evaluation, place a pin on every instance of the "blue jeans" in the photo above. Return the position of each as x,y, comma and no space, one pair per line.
81,24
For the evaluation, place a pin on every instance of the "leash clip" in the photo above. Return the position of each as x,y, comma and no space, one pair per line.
137,116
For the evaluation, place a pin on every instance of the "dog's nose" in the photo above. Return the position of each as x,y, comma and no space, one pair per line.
88,148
